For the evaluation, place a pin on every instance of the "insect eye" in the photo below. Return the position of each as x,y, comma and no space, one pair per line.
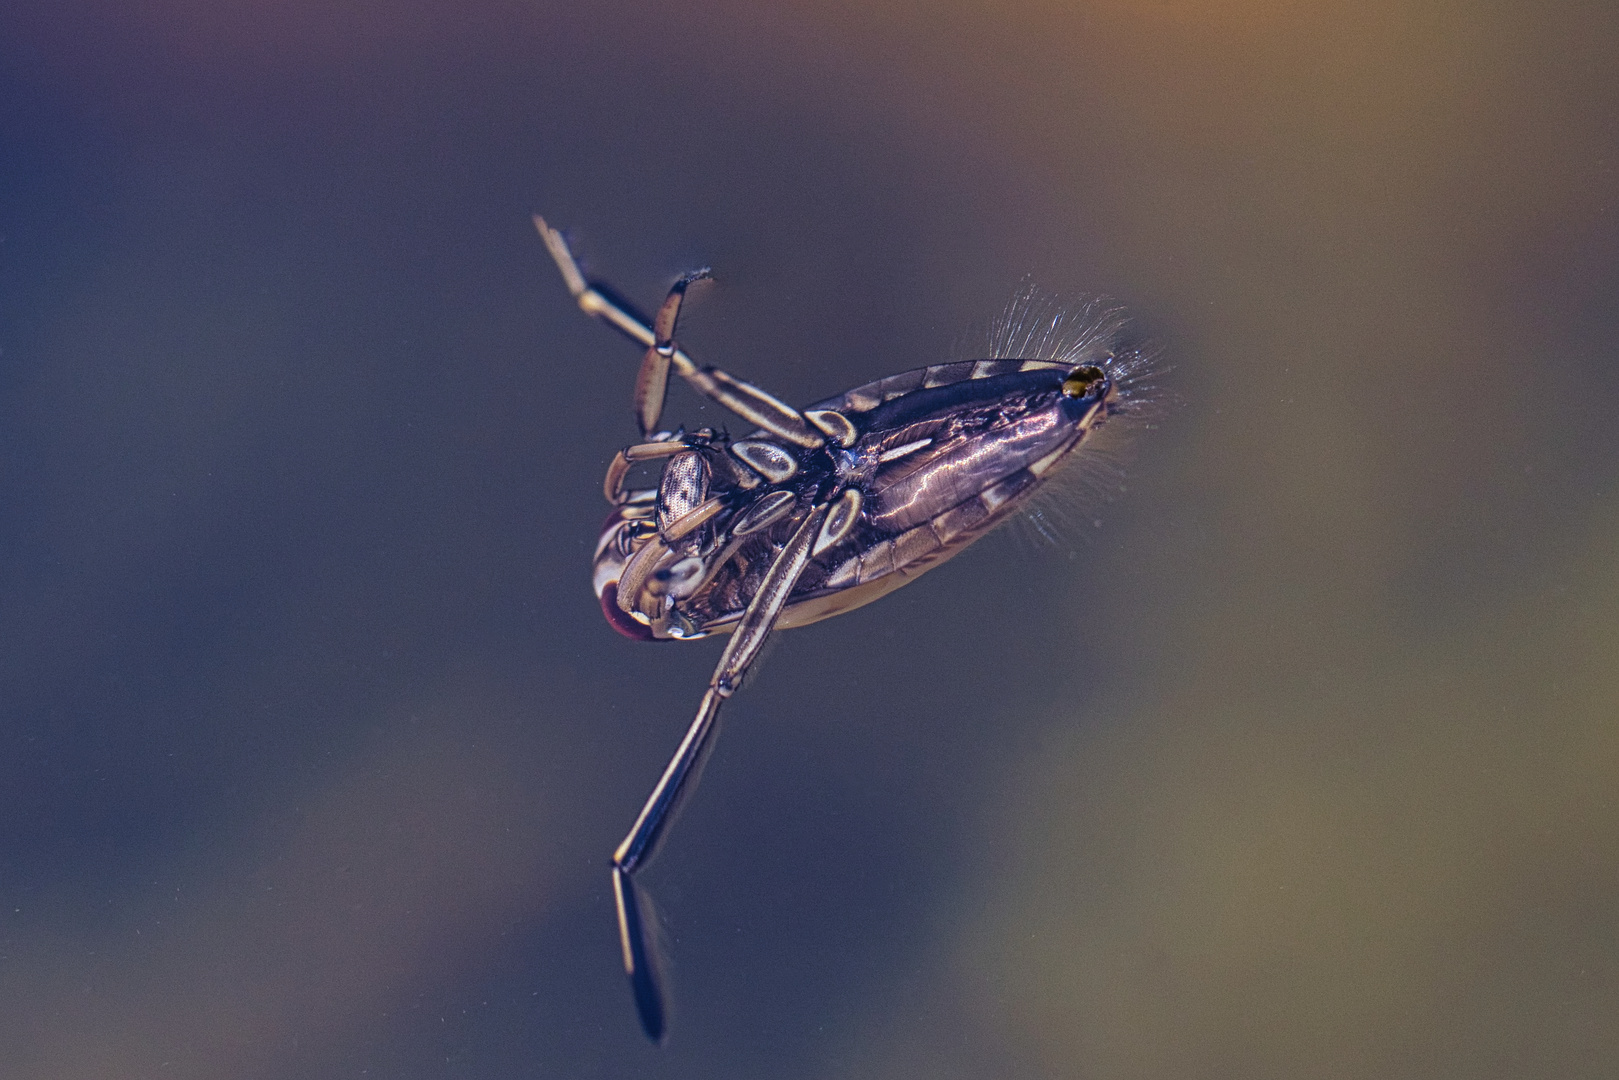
1080,381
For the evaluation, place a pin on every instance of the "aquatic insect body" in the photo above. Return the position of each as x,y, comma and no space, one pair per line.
815,511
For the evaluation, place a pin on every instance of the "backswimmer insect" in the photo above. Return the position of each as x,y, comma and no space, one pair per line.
817,511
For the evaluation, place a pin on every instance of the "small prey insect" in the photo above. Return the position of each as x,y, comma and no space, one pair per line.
812,513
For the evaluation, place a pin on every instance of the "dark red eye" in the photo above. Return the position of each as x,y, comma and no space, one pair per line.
621,621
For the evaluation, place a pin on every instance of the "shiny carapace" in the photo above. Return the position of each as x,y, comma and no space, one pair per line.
812,512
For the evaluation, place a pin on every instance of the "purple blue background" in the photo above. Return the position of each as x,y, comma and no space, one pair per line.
313,742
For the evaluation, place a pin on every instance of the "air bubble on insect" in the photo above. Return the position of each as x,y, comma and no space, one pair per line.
680,626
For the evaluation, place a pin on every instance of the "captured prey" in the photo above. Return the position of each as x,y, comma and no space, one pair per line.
816,511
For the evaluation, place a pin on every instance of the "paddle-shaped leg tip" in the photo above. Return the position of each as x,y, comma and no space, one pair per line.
638,963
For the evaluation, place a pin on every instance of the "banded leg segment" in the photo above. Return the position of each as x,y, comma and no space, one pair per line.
740,652
652,382
743,398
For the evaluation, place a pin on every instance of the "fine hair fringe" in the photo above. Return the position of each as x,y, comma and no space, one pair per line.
1036,325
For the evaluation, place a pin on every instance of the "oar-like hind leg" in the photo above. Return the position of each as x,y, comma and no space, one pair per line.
638,845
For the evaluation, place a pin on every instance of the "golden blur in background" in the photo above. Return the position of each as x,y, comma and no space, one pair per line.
1304,764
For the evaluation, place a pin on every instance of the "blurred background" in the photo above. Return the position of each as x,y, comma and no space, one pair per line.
1298,759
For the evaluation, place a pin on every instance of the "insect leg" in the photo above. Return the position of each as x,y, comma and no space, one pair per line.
754,405
637,847
613,484
652,381
591,299
743,398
